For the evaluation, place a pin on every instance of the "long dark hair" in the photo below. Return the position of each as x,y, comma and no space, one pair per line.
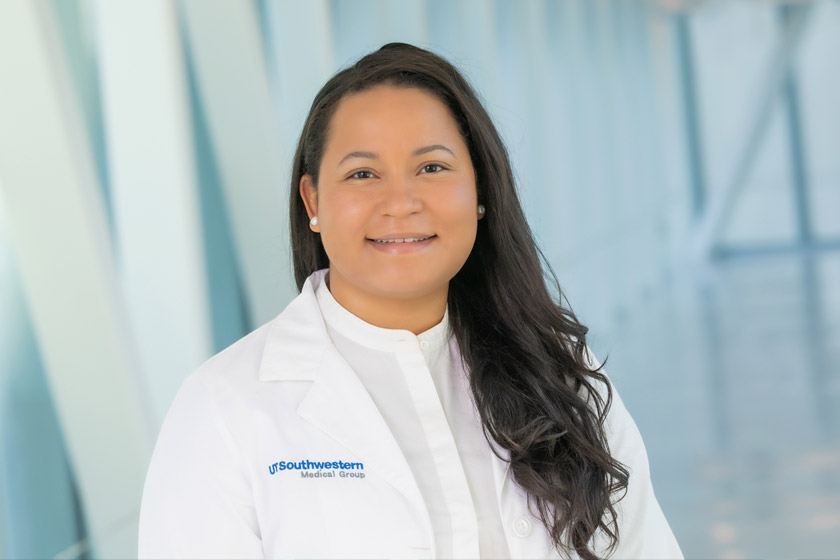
526,353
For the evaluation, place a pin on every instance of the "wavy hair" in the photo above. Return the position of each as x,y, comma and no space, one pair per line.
526,353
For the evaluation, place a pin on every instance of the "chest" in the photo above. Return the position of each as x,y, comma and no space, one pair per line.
318,497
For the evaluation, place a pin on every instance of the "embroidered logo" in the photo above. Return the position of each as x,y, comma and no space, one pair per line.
320,469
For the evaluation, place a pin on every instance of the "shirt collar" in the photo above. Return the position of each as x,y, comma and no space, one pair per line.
366,334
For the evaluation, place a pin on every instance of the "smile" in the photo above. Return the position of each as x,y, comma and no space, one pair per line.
406,240
402,246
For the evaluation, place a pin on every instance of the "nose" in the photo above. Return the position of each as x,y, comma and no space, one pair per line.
400,197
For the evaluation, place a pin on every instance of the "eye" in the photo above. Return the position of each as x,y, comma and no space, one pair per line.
353,176
433,165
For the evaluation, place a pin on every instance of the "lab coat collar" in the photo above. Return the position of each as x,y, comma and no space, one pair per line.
298,347
297,338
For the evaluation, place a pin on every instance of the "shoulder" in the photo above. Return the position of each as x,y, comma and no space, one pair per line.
208,389
236,381
625,440
282,342
233,369
238,363
644,531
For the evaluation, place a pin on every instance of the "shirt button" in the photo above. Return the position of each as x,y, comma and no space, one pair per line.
424,344
522,527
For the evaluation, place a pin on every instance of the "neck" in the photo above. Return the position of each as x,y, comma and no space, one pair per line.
412,314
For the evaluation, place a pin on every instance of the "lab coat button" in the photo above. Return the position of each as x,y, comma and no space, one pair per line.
424,344
522,527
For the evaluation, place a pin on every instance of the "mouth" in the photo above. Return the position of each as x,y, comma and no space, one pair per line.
398,240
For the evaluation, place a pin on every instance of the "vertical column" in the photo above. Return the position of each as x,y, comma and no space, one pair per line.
59,229
153,189
300,60
227,53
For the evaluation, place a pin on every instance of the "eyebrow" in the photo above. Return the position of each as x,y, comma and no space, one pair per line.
417,152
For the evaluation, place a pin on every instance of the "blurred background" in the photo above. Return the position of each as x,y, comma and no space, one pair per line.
679,163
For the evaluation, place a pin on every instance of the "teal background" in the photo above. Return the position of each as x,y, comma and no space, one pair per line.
679,163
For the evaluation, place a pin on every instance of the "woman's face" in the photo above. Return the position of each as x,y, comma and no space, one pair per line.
394,166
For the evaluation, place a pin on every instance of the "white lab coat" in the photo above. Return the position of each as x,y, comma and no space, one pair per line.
284,394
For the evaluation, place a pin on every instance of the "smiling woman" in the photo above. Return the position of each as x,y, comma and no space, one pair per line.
424,344
398,234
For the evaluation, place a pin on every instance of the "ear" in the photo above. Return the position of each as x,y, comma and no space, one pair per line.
309,195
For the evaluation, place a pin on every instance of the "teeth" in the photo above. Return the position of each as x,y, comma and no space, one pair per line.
406,240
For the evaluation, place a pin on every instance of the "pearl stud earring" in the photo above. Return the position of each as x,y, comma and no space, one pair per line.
481,209
314,220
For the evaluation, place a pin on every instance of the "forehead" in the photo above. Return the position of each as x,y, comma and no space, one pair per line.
390,116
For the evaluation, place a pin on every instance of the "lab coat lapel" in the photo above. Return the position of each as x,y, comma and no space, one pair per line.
298,348
501,470
501,458
339,405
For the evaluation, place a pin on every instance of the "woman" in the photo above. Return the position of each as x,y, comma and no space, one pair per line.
424,395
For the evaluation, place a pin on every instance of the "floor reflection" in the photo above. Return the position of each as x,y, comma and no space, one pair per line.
733,376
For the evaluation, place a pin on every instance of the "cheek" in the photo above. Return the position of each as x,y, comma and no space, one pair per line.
345,207
459,208
459,230
343,223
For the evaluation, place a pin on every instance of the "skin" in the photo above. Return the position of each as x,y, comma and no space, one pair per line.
396,192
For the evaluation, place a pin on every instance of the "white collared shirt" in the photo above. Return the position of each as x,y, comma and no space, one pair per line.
422,392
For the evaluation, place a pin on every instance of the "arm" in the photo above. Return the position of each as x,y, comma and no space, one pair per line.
197,500
643,530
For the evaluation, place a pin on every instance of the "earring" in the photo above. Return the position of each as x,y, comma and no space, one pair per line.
481,209
314,220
